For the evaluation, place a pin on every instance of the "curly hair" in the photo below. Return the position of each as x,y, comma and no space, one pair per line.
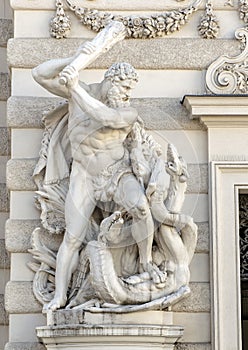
121,71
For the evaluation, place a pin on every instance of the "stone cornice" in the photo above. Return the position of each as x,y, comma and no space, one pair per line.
218,111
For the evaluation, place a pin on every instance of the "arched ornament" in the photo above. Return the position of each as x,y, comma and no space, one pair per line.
137,26
229,75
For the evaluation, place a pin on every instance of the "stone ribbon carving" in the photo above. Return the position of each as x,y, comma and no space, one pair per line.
104,185
229,75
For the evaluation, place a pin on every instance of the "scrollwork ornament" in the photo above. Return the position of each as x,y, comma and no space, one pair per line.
209,24
60,24
229,75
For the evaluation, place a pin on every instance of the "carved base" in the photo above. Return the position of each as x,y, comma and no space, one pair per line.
84,330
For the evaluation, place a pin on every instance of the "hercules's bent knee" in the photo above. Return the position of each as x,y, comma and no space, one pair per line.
71,241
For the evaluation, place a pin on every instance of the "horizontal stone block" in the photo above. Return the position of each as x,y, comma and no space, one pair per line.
153,83
152,5
3,218
4,320
4,256
21,141
172,53
3,113
22,206
4,198
4,67
196,327
18,236
203,238
6,30
4,142
197,301
5,86
23,327
4,335
199,268
157,113
191,346
19,298
3,163
19,176
27,112
198,178
20,270
39,21
25,346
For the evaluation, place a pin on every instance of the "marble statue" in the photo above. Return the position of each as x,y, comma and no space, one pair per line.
103,183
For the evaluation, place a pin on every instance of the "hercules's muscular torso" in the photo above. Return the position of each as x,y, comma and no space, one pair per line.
94,146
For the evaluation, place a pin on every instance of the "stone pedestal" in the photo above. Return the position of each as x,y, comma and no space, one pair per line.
84,330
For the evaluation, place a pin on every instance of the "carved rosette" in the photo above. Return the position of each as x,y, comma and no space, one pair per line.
229,75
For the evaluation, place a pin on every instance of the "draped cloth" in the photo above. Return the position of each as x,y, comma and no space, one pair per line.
52,170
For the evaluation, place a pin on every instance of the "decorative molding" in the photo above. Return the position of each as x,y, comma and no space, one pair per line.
209,24
218,111
60,24
243,225
137,26
229,75
227,180
243,10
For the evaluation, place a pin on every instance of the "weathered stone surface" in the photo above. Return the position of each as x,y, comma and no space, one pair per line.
19,174
164,113
4,256
6,31
191,346
19,298
198,178
27,112
4,198
24,346
4,86
18,233
18,236
203,238
197,301
157,113
4,142
4,319
173,53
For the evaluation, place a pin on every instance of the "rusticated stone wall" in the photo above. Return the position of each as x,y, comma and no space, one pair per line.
6,32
